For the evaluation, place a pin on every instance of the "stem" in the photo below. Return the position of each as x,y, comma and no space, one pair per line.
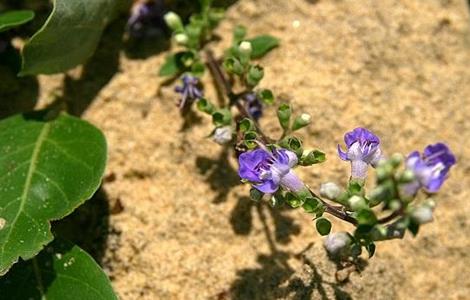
335,210
234,99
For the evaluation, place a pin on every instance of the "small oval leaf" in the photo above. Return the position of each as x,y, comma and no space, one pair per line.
47,169
61,271
262,44
15,18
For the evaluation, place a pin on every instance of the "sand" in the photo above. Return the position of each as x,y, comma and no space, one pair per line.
181,225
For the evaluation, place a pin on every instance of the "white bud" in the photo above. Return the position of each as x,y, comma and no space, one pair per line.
330,190
173,20
422,214
357,202
245,48
337,243
306,118
181,38
222,135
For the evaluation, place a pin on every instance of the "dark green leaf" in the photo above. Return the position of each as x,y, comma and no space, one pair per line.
47,169
246,125
61,271
69,36
171,66
413,227
262,45
15,18
323,226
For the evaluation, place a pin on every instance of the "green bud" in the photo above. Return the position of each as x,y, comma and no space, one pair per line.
366,217
255,195
205,106
310,157
292,143
246,125
394,204
254,76
222,117
301,121
266,96
233,65
173,21
396,159
249,139
215,16
239,34
283,114
293,200
407,176
357,203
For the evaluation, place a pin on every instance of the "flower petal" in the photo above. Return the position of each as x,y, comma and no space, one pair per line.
267,187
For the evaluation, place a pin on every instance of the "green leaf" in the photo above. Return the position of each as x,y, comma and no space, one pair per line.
60,271
323,226
222,117
47,169
171,66
205,106
69,36
255,194
15,18
293,200
370,249
262,44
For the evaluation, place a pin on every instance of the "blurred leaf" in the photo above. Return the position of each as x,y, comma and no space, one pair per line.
323,226
47,169
171,66
15,18
262,45
69,36
61,271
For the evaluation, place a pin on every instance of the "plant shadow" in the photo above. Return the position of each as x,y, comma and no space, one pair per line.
97,72
87,226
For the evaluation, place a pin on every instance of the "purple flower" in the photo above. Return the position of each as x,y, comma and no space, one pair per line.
430,169
146,18
268,170
253,105
362,150
189,91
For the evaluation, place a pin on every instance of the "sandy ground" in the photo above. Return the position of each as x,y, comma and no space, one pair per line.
186,229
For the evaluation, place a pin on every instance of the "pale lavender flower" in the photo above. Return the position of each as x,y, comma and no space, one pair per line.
253,105
189,91
146,18
362,150
430,169
268,171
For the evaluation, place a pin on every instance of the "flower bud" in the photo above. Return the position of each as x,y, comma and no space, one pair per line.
222,135
301,121
181,38
173,21
357,203
245,48
330,190
255,74
337,244
422,214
